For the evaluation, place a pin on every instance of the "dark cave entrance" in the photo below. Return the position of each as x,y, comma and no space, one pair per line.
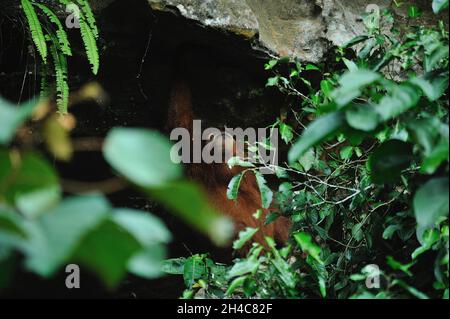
140,57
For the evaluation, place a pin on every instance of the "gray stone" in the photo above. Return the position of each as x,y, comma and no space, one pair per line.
302,28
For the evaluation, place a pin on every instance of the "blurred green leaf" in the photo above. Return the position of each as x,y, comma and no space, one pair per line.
388,160
11,117
401,99
439,5
187,200
107,250
321,129
432,86
146,228
148,262
431,202
56,235
394,264
142,156
351,85
28,181
362,117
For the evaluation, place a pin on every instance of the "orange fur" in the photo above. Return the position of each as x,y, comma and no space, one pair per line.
215,178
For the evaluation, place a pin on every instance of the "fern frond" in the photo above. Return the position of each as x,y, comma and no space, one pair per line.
60,32
60,65
89,15
90,44
44,91
35,29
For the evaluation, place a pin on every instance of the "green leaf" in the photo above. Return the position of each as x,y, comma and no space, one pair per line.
235,284
414,12
432,86
194,269
431,202
310,67
351,66
266,192
435,158
357,232
429,238
285,272
148,262
304,240
244,237
273,81
356,40
308,159
13,231
413,291
146,228
394,264
286,132
321,129
402,98
11,117
351,85
61,34
233,186
30,183
141,155
388,160
56,235
88,34
326,87
439,5
35,28
432,60
246,266
346,152
271,64
425,132
362,117
173,266
187,200
237,161
107,251
32,204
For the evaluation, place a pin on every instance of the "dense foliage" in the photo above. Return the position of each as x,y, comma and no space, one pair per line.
366,184
42,231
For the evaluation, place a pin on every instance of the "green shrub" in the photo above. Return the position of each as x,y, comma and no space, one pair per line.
366,185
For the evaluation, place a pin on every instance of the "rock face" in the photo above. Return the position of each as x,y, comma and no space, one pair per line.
302,28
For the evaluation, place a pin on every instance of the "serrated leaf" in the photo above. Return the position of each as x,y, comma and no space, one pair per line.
233,186
244,236
265,191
